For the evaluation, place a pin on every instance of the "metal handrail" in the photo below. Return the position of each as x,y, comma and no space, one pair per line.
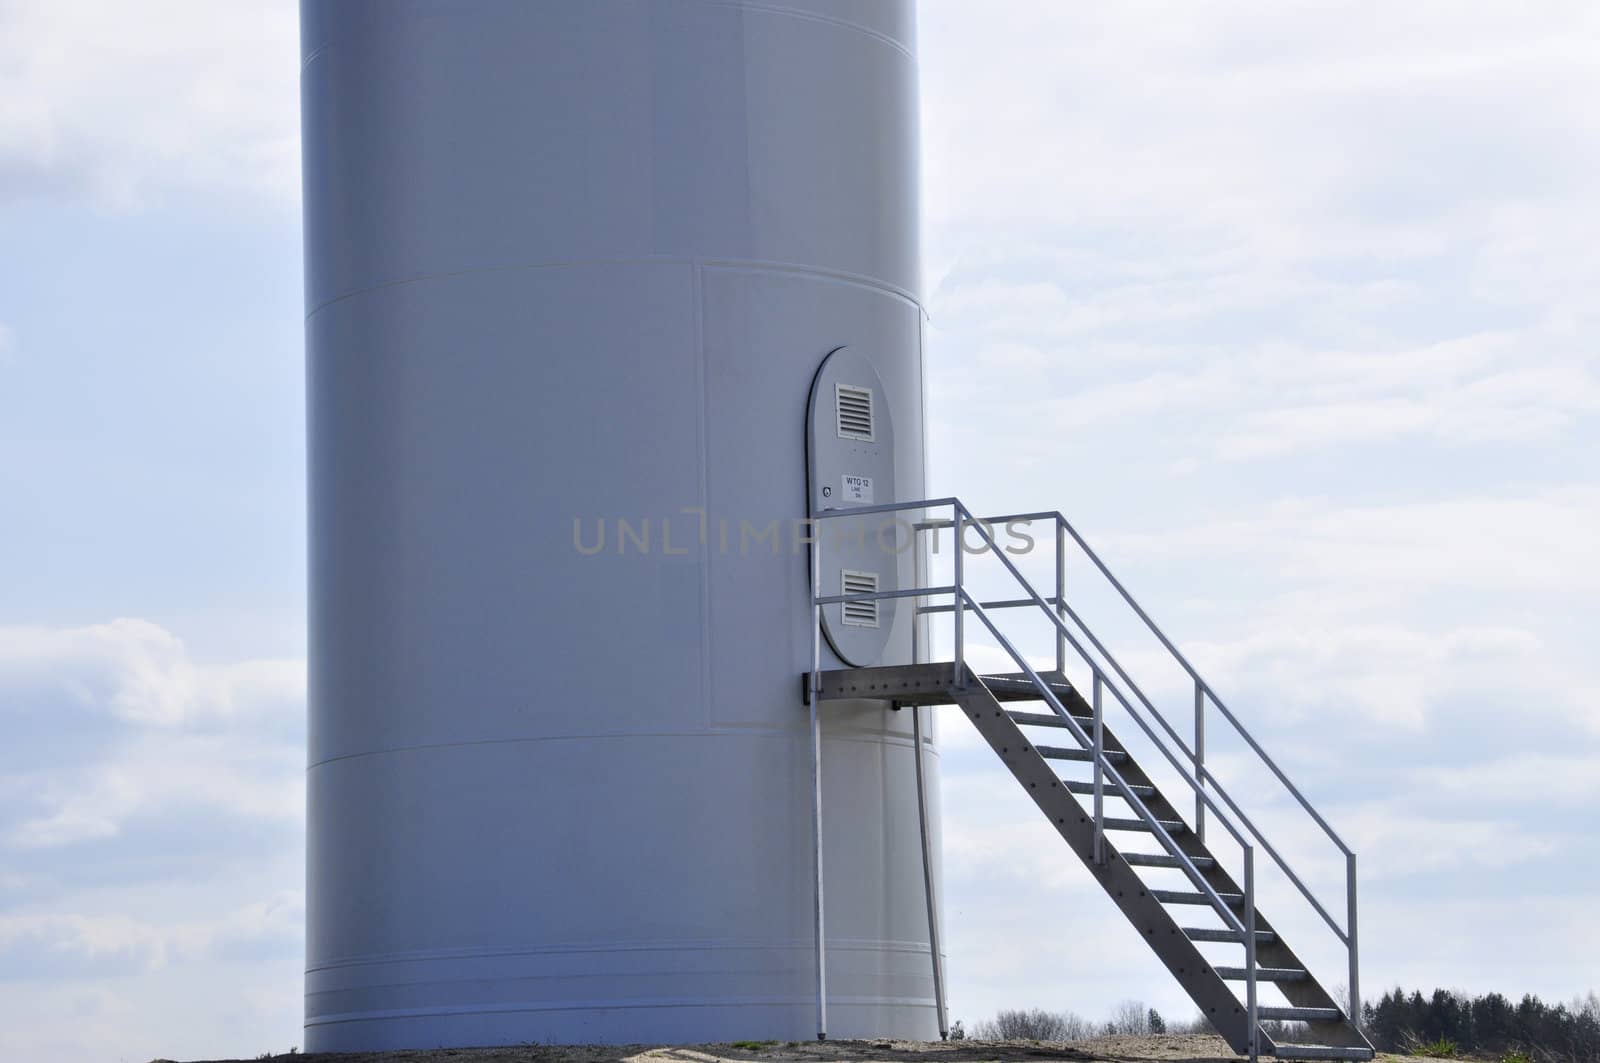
874,596
1103,769
1198,678
963,516
1056,609
1155,629
1112,661
1004,603
1103,764
1201,774
1347,935
1204,691
1100,677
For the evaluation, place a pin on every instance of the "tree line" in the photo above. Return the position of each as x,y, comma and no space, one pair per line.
1450,1023
1445,1023
1040,1024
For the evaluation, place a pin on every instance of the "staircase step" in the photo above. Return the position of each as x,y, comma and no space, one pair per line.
1076,787
1062,753
1026,706
1232,900
1163,860
1172,826
1264,974
1321,1052
1196,933
1049,719
1301,1014
1020,686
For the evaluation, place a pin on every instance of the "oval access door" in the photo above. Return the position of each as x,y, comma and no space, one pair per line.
850,459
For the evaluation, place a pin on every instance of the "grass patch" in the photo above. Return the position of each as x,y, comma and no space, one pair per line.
752,1046
1440,1049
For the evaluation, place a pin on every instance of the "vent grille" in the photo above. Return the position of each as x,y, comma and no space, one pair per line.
860,614
855,411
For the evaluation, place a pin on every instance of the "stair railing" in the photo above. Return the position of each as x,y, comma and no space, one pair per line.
1204,694
1104,771
962,600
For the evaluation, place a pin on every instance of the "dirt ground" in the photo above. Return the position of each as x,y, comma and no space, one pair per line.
1188,1048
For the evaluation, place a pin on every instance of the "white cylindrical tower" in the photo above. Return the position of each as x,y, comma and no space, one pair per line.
571,269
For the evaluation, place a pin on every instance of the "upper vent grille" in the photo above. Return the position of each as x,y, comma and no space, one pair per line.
860,614
855,411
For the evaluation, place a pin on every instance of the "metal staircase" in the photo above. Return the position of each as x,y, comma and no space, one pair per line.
1128,846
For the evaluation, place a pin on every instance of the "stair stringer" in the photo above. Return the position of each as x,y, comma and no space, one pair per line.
1122,884
1276,953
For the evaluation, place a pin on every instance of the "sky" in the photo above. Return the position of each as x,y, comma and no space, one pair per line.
1289,307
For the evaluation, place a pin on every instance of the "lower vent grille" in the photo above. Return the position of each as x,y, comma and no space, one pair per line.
860,614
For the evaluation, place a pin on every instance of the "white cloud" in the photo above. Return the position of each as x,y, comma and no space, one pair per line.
1505,405
71,942
125,102
1395,843
1301,226
1548,946
1529,541
1526,778
157,983
1230,112
151,812
224,775
139,673
1273,399
1302,305
1385,673
160,731
1242,247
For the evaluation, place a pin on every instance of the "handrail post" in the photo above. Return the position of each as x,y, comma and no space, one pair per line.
960,598
1199,759
1171,648
1099,774
927,879
919,575
1123,789
1250,951
1061,597
816,781
816,611
1354,942
1197,780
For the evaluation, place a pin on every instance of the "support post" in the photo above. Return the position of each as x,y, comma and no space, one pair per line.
816,613
1061,596
1099,773
918,573
1199,759
816,782
927,878
960,598
1354,942
1253,1015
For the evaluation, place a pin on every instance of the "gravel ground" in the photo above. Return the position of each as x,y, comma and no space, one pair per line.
1190,1048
